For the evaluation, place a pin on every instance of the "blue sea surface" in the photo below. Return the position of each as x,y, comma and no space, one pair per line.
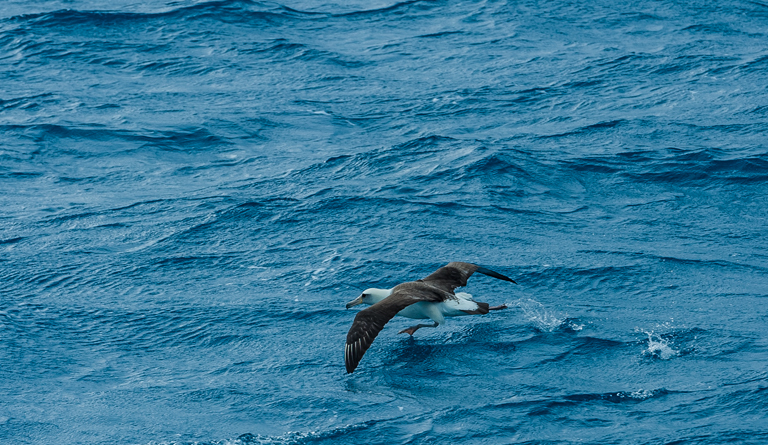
190,192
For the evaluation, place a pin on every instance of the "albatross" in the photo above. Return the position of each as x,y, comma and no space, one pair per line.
432,297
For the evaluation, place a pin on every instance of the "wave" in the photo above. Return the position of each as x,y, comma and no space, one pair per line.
224,10
228,11
164,41
180,139
556,405
330,435
619,397
466,173
445,171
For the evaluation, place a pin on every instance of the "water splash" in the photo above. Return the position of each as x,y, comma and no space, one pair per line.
291,437
619,397
644,394
545,320
659,347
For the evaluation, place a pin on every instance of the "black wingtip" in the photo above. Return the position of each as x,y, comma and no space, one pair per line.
493,274
348,360
350,366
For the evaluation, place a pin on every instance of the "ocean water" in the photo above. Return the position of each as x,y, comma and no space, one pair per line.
190,191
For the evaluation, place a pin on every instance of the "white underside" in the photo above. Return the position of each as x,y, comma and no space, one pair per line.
438,311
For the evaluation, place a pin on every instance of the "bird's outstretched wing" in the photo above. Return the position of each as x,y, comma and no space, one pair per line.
369,322
456,274
435,288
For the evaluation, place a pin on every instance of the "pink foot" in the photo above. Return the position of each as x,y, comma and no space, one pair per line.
410,331
497,308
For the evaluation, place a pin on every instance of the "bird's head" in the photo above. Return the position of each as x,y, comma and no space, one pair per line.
370,296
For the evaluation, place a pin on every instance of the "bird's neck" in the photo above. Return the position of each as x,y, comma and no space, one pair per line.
377,295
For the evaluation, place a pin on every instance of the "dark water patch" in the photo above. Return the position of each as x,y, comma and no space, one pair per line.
586,84
69,180
494,167
561,405
227,11
424,144
241,12
69,17
11,240
181,140
29,102
530,96
334,435
625,63
193,262
758,63
439,34
144,207
66,273
746,436
589,129
572,347
71,217
701,168
619,397
188,140
724,29
21,175
695,65
399,10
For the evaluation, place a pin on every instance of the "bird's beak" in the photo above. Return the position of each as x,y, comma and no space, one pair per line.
355,302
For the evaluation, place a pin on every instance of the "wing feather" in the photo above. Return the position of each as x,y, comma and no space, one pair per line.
455,274
451,276
369,322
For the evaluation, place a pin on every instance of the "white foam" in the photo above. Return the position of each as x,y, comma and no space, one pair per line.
642,394
659,347
543,319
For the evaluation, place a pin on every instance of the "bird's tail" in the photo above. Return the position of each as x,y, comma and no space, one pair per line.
482,308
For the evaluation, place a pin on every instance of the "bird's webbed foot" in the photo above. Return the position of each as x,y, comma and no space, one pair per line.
413,329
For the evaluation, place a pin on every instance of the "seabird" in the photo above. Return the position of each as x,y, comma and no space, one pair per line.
431,297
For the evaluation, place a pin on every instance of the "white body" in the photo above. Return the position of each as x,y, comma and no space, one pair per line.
422,310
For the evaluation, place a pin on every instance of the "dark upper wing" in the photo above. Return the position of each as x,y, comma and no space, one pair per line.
456,274
369,322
